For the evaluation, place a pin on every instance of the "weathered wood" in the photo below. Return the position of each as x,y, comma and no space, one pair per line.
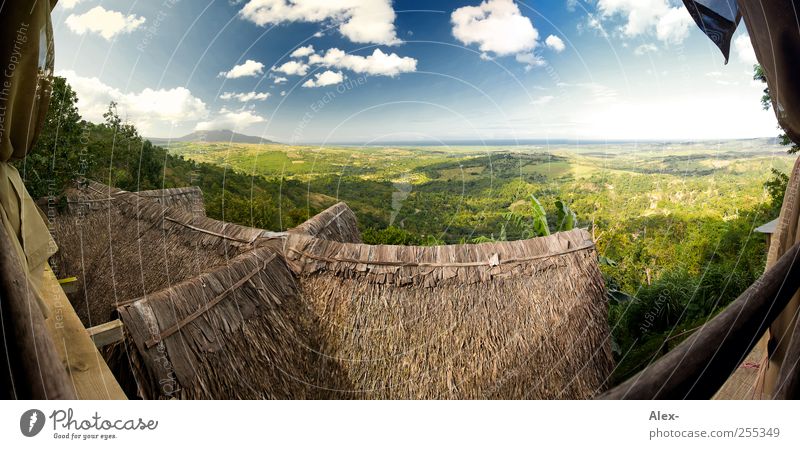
789,379
69,285
106,333
31,367
699,366
89,373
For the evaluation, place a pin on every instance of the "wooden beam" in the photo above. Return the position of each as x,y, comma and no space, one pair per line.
699,366
32,367
87,369
789,376
106,333
70,284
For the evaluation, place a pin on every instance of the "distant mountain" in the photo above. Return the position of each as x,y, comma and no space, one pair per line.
216,135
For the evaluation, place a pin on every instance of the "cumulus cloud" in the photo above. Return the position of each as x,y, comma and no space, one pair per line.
326,78
530,60
68,4
247,68
497,26
145,108
555,43
229,119
744,49
668,21
378,63
280,79
302,52
245,96
292,68
104,22
361,21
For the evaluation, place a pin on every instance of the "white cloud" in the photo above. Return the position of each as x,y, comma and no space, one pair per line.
292,68
497,26
326,78
280,79
659,17
245,96
247,68
530,60
541,101
145,108
644,49
228,119
361,21
555,43
744,49
378,63
302,52
103,22
68,4
283,93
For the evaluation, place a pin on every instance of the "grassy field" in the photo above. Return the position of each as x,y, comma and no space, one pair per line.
462,192
673,222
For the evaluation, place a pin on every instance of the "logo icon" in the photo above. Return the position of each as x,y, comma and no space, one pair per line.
31,422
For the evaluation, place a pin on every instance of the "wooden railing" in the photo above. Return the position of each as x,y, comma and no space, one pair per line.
699,366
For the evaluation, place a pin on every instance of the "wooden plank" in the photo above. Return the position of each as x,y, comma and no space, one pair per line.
106,333
32,366
70,284
747,382
789,376
701,364
89,373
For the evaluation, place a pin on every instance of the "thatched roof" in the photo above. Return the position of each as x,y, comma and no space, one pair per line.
187,198
236,332
122,245
95,196
312,313
523,319
337,223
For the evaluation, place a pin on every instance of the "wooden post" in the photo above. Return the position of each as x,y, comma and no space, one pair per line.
87,369
106,333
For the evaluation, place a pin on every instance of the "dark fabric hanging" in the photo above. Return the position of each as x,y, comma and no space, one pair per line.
32,367
718,19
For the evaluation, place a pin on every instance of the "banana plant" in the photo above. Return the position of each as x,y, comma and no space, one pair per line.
539,216
566,216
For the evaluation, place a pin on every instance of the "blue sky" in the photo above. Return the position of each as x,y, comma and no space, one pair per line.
409,70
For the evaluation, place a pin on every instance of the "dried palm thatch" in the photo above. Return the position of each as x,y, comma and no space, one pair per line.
189,199
123,245
337,223
96,196
523,319
236,332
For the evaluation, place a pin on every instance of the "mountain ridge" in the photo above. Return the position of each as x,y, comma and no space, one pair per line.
214,135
